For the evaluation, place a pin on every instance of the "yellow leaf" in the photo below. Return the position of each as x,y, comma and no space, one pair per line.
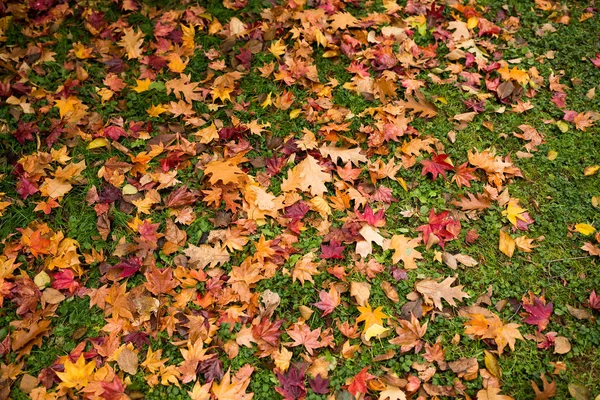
97,143
66,105
514,212
132,42
507,244
370,317
76,375
320,38
105,94
222,93
491,363
277,48
55,188
267,101
295,113
552,155
585,229
142,85
176,64
562,126
282,359
155,111
472,22
592,170
374,331
189,34
320,205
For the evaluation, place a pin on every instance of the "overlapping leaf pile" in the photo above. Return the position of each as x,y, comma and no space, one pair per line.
222,235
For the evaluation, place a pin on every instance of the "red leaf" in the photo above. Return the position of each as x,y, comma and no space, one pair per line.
442,225
329,301
370,218
359,382
334,250
65,279
463,175
268,331
114,132
594,301
25,188
539,311
436,166
319,385
292,384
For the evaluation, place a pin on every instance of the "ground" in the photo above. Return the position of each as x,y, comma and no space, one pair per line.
226,199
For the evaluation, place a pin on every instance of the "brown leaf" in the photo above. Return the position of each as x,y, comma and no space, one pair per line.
128,361
549,389
561,345
466,368
390,292
434,291
579,313
578,391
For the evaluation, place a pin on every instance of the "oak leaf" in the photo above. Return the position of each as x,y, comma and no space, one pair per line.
434,291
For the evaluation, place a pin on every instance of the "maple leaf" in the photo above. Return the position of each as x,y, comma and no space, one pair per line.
490,326
432,290
329,301
277,48
304,336
420,105
304,269
346,155
359,382
132,42
342,20
319,385
368,216
410,334
308,175
332,251
593,301
393,392
292,384
370,317
232,388
76,375
404,250
492,393
443,226
225,171
206,255
513,212
65,279
539,311
160,281
436,166
463,175
507,244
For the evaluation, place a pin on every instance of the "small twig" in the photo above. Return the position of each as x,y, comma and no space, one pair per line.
559,260
516,312
567,259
